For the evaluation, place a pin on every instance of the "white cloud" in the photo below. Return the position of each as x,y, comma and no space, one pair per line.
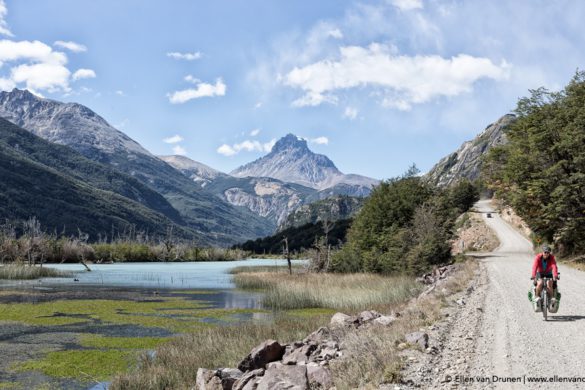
201,90
179,150
247,146
226,150
335,33
49,77
36,66
34,51
4,30
350,113
258,105
320,141
83,74
173,140
405,79
312,99
120,93
254,132
185,56
72,46
407,5
191,79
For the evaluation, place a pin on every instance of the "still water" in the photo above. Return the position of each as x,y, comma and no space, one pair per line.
188,275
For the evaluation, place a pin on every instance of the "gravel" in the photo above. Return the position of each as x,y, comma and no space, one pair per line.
496,336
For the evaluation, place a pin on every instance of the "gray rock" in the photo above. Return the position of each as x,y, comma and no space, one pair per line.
318,375
249,380
285,377
299,355
368,315
418,338
207,380
318,336
229,376
324,353
466,162
384,320
268,351
340,320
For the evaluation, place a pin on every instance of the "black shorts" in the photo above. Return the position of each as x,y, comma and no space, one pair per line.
541,276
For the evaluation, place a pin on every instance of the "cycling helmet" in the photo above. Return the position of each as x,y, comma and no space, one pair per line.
546,248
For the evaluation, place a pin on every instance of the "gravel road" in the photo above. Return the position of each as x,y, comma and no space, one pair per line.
494,334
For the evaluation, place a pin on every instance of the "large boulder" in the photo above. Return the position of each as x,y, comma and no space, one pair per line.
280,377
207,380
229,376
319,376
299,355
268,351
249,380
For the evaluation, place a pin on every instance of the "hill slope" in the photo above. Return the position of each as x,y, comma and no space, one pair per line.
68,192
466,162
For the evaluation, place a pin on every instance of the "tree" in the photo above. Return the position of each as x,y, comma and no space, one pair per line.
541,171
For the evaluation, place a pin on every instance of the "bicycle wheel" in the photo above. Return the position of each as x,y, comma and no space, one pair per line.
545,305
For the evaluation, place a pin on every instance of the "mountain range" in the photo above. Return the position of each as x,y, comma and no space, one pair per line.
79,149
208,206
212,220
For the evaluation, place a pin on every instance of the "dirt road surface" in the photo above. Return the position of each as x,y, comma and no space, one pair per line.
494,339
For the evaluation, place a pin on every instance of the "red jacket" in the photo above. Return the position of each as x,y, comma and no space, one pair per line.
551,266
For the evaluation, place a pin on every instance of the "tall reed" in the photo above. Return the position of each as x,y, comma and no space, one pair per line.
336,291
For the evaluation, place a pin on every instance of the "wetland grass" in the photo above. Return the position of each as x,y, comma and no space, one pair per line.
16,271
350,292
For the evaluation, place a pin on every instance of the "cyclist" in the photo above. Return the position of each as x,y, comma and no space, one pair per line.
545,265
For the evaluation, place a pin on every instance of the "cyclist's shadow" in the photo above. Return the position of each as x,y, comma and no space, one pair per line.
565,318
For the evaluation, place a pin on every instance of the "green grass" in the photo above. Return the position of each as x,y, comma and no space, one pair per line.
90,365
103,342
10,386
334,291
22,271
175,314
177,361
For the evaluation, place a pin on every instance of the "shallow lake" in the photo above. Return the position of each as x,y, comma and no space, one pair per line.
187,275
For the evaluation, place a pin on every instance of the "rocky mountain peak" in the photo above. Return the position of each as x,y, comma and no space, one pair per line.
291,160
288,142
69,124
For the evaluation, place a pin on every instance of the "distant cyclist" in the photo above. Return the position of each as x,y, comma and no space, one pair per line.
544,266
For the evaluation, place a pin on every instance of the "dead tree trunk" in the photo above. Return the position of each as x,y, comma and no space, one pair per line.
287,255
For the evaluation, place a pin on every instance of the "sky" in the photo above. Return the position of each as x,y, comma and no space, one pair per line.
374,85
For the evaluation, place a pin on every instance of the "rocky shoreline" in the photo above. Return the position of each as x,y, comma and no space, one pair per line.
305,364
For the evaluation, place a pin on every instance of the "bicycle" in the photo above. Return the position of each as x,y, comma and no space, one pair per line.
544,296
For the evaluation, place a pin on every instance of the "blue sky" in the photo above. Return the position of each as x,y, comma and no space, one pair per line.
375,85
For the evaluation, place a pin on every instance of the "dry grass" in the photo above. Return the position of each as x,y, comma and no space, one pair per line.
370,357
350,292
296,268
21,271
176,363
371,354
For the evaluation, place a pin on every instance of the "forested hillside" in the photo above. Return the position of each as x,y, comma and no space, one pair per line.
541,171
404,226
